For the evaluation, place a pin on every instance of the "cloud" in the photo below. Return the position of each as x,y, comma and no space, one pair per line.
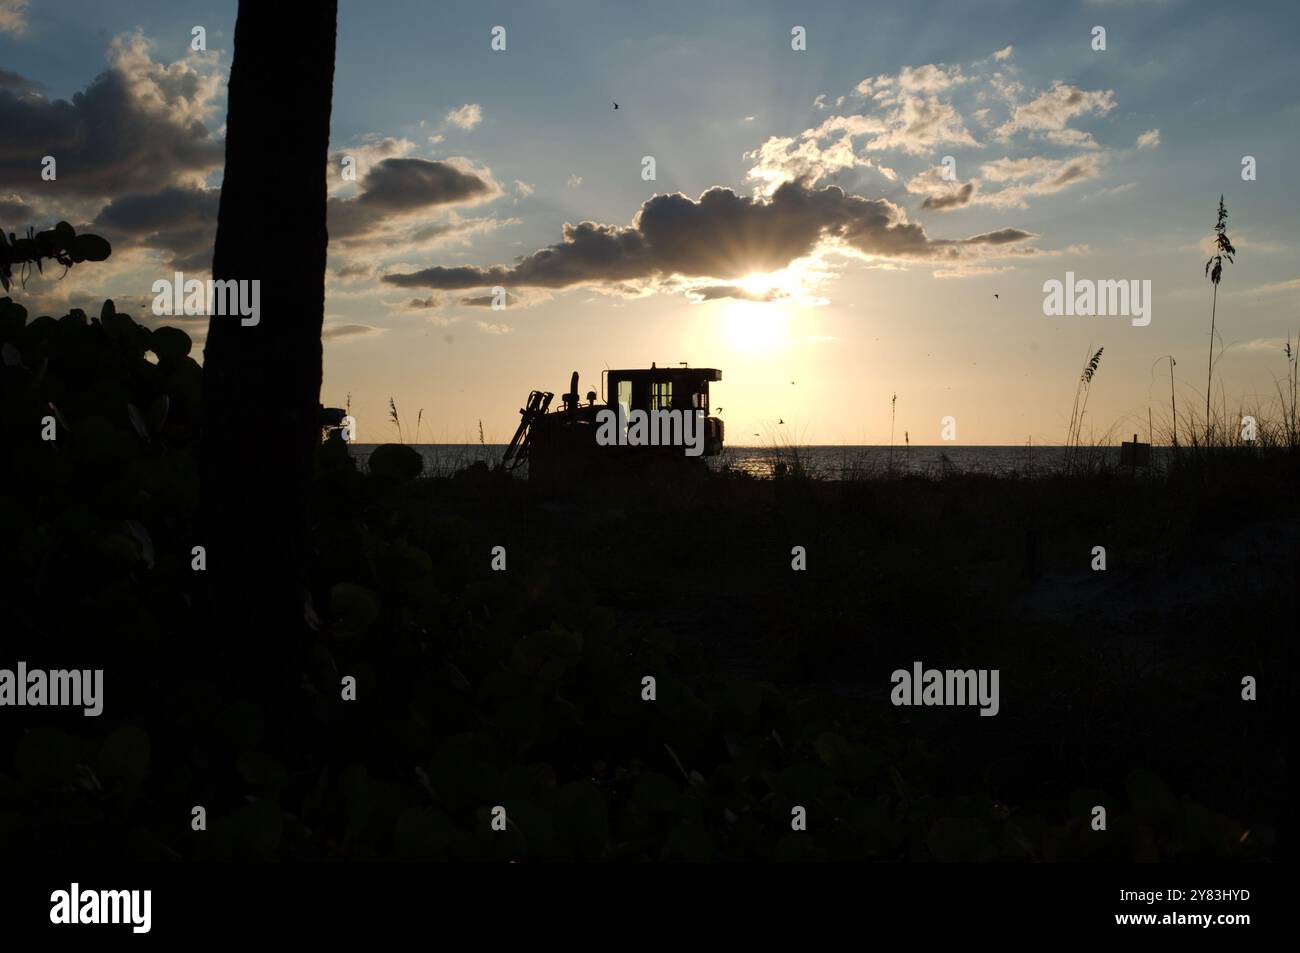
1024,178
1050,112
920,124
355,269
139,126
15,213
930,78
365,155
13,16
523,189
906,113
784,159
923,111
10,80
716,292
396,196
398,184
1001,236
574,181
453,228
397,188
954,199
496,329
429,308
486,301
466,117
1035,176
1149,139
338,332
180,222
721,235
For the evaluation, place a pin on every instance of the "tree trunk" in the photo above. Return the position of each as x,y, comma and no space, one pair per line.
261,383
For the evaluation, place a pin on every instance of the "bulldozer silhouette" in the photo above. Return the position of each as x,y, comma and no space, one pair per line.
562,443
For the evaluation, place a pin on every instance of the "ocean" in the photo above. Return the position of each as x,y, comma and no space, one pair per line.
826,463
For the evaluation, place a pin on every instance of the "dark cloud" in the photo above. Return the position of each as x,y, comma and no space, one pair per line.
135,137
15,213
715,292
955,199
420,304
10,80
180,222
398,186
722,235
117,136
464,276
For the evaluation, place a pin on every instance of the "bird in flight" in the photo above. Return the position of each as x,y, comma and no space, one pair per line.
780,421
615,104
995,294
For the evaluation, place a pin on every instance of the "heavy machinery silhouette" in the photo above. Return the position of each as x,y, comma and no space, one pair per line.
562,443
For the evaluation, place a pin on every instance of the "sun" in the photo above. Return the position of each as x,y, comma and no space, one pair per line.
755,327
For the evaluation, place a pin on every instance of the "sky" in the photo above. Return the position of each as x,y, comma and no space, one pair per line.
801,230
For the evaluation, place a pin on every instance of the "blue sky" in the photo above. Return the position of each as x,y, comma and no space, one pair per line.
1142,138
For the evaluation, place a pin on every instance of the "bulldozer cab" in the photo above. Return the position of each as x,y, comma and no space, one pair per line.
666,388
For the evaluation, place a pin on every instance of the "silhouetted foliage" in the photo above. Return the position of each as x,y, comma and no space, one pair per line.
523,688
60,244
1222,245
1223,248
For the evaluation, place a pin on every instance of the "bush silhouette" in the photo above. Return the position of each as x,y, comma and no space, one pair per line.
60,244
